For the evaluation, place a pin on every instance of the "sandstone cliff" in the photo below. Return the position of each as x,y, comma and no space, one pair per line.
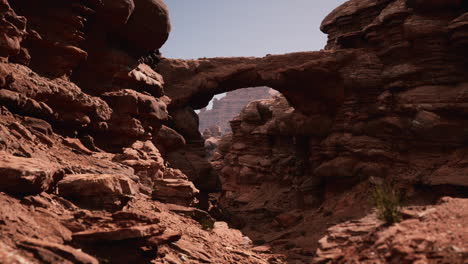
102,161
386,101
81,179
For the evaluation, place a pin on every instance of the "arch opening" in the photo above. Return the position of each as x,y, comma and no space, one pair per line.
214,119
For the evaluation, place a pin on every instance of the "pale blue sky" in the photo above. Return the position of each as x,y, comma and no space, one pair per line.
212,28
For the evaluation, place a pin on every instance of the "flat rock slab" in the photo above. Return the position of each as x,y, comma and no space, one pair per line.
119,234
20,175
97,190
177,191
52,252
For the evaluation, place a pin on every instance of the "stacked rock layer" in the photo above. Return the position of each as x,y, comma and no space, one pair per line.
101,158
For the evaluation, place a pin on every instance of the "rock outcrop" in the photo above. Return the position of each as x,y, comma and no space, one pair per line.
27,175
388,95
423,237
81,178
384,101
101,158
95,44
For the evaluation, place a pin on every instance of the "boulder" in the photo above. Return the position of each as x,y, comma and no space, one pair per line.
145,159
116,13
142,78
107,191
20,175
169,140
176,191
136,104
148,27
50,252
119,234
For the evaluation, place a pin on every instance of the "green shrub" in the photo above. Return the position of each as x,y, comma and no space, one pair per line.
388,200
206,223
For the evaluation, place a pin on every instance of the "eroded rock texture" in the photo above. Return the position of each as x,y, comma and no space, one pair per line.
389,93
385,101
98,45
416,239
102,159
81,178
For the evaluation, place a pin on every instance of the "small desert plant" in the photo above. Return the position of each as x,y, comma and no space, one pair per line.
206,223
388,200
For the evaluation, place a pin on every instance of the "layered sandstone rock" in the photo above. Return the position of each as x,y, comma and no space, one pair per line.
27,175
97,190
97,213
58,184
422,237
389,91
385,101
97,44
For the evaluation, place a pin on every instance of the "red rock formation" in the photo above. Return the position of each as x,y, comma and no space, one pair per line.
390,81
385,100
105,168
98,45
85,204
423,237
226,108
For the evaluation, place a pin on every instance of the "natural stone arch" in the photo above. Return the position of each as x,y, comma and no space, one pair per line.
313,82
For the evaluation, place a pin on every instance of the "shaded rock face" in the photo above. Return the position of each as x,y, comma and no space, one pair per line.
191,158
226,108
269,149
77,30
98,45
15,28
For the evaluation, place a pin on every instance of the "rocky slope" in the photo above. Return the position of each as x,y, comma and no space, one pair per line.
429,234
102,161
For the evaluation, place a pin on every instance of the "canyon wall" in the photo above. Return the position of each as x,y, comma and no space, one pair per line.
101,158
388,93
385,102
